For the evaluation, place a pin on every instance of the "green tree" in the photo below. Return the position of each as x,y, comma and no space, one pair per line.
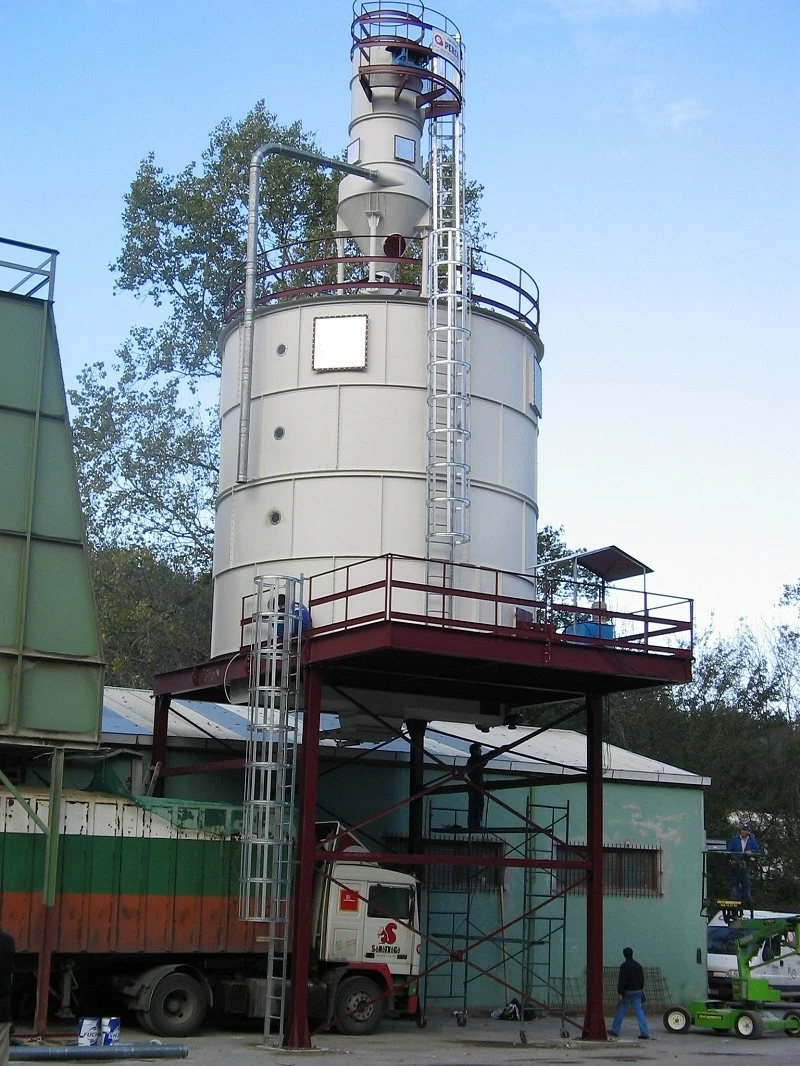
146,435
730,724
153,617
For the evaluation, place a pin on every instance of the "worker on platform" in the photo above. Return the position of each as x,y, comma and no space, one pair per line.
630,987
473,775
7,948
742,851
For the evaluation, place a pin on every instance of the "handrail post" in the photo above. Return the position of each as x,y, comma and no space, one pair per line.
387,596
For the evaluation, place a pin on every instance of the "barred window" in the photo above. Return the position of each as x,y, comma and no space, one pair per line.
447,877
626,871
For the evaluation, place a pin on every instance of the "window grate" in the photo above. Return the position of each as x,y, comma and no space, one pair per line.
450,877
626,871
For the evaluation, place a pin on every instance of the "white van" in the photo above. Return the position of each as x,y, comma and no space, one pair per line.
776,959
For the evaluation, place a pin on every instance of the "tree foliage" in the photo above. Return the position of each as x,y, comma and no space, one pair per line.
729,724
146,433
153,618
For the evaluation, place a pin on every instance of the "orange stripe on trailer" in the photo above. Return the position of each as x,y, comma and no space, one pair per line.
101,923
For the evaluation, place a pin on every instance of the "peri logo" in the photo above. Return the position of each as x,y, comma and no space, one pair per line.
388,935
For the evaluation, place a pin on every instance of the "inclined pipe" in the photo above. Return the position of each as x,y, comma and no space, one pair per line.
246,376
98,1052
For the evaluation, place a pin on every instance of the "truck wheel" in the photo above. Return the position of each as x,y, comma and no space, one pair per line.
792,1020
677,1020
358,1008
141,1020
177,1007
749,1025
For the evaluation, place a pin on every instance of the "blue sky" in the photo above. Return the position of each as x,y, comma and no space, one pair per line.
641,159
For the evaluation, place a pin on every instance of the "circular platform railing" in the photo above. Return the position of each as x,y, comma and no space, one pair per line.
331,266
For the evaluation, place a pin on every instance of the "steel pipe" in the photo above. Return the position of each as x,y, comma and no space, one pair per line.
248,323
97,1052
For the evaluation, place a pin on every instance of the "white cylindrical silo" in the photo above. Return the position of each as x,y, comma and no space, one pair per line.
337,458
340,440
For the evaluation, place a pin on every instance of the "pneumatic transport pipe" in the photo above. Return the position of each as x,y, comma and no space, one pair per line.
246,372
97,1052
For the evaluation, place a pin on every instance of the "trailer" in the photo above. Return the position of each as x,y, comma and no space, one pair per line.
146,918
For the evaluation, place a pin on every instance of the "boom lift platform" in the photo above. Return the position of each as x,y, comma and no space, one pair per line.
749,1014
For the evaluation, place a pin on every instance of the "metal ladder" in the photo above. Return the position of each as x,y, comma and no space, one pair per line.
268,836
449,292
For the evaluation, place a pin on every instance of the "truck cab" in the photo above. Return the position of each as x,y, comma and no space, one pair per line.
367,943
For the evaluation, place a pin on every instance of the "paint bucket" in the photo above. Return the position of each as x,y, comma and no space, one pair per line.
88,1031
109,1031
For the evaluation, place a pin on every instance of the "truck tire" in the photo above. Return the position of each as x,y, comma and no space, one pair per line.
749,1025
358,1008
677,1020
178,1006
141,1021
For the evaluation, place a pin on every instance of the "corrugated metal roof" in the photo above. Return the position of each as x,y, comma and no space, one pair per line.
557,752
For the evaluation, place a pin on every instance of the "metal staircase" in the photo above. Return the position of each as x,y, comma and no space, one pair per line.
268,836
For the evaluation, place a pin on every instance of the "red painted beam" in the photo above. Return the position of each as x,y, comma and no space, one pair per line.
594,1023
297,1035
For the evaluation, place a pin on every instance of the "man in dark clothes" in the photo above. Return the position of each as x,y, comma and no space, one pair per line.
630,987
6,970
473,775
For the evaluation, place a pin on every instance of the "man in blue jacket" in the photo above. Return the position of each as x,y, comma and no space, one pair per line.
742,851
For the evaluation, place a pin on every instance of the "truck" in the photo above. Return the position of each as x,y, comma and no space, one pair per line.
776,960
146,919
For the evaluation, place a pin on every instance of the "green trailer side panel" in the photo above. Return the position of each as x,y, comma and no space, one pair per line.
50,651
128,880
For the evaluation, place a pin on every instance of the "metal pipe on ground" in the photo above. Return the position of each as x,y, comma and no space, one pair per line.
97,1052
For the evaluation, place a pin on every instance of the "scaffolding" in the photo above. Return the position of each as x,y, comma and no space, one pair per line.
268,839
545,922
527,957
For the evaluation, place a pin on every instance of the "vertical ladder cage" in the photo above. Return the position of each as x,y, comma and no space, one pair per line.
449,293
268,834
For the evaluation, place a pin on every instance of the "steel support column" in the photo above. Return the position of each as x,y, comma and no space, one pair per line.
297,1034
158,758
594,1023
52,840
416,734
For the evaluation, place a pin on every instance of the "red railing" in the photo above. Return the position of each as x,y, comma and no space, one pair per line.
316,268
393,588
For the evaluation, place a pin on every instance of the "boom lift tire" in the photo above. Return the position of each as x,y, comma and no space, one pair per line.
793,1017
178,1006
358,1009
677,1020
749,1025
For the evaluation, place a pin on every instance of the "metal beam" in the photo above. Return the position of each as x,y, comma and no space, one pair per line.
594,1024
